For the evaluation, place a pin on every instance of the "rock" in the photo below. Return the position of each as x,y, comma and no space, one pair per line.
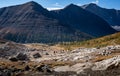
16,70
39,68
46,54
5,72
8,72
107,64
14,59
22,56
37,55
79,67
27,68
62,68
76,58
44,68
106,52
112,66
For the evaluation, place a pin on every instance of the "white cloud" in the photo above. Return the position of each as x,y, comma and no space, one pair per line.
96,2
54,8
79,4
116,28
57,5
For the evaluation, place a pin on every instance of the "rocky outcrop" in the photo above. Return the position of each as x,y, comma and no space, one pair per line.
10,49
90,68
37,55
14,59
111,63
22,56
44,68
19,56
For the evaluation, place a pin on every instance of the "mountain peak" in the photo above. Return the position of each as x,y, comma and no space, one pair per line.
32,4
72,6
90,5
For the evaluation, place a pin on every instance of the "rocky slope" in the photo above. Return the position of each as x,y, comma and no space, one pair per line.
9,48
24,60
82,61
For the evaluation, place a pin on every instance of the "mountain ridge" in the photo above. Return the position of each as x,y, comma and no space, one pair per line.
35,25
112,16
79,18
30,22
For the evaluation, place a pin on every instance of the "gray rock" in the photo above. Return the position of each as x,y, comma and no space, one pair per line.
107,64
27,68
14,59
37,55
44,68
22,56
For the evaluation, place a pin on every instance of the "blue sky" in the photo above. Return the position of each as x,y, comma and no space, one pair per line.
56,4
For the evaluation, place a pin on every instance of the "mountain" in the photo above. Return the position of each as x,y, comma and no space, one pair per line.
85,21
112,16
31,23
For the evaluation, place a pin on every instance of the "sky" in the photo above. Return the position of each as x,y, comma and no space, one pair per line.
57,4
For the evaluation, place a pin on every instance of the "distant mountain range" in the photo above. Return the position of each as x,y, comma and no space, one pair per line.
83,20
112,16
30,22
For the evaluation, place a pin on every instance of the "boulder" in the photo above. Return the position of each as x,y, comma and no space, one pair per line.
14,59
22,56
46,53
44,68
27,68
37,55
78,68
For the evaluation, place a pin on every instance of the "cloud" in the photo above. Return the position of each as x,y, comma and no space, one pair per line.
96,2
54,8
116,28
57,5
79,4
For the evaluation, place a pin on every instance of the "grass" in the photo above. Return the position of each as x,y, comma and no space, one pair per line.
113,39
100,58
103,57
43,46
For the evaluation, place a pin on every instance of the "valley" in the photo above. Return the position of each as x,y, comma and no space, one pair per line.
30,59
72,41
